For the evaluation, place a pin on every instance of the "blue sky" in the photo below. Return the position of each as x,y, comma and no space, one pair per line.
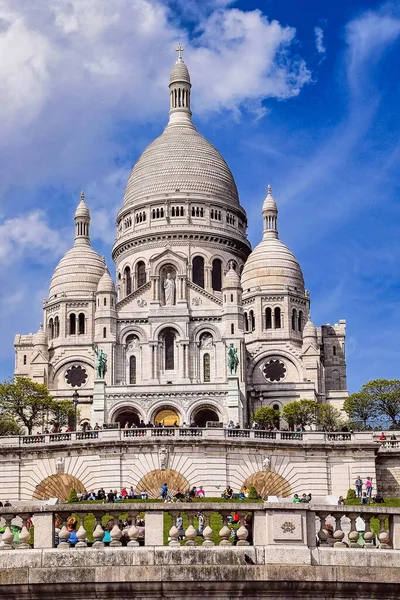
301,95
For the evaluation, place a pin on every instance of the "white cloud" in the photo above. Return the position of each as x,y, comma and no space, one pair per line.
30,236
319,40
72,72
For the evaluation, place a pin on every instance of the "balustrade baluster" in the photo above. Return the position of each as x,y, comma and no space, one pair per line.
338,534
368,534
225,532
133,534
115,535
353,535
383,536
8,536
242,533
81,535
207,532
24,535
190,533
98,533
322,533
63,536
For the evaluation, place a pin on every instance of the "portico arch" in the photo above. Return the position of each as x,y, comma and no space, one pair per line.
204,413
152,482
268,483
57,486
128,415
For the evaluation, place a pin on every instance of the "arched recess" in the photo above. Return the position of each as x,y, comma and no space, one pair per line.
204,413
126,415
198,271
268,483
57,486
152,482
167,416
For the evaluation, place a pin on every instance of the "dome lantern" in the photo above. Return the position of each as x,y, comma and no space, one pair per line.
179,91
270,215
82,222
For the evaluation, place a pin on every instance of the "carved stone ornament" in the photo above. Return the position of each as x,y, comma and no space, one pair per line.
206,341
288,527
196,301
141,302
60,464
163,458
76,376
266,463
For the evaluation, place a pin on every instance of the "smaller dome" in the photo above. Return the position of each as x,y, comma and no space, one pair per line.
79,271
40,338
269,204
82,208
232,279
106,283
309,331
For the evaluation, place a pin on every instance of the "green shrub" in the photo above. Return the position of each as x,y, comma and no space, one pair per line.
253,494
72,496
351,494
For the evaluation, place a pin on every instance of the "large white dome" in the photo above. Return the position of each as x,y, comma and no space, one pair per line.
181,160
78,272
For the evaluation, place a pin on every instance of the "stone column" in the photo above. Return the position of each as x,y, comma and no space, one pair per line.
98,412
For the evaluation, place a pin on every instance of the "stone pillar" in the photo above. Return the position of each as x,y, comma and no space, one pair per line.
98,413
233,400
395,532
44,530
260,528
154,528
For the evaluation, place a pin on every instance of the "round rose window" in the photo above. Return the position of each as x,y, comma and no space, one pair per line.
274,370
76,376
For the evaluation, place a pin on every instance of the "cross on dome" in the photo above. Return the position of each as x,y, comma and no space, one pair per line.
179,50
269,189
82,195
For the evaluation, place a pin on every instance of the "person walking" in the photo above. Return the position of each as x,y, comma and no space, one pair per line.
359,484
164,491
368,487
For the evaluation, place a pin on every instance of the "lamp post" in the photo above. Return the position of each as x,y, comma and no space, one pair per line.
75,400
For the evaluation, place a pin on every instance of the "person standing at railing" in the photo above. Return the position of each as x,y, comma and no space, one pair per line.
382,437
368,487
358,483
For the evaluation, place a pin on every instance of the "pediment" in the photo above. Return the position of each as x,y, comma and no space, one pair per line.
311,351
168,253
39,359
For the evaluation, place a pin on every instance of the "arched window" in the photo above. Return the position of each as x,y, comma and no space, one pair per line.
268,318
198,271
132,370
334,350
56,327
216,275
81,320
140,273
246,322
51,329
300,326
206,368
104,332
128,281
294,319
232,328
24,359
72,324
251,321
105,301
277,315
169,350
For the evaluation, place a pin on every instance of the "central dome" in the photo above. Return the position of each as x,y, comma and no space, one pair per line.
181,160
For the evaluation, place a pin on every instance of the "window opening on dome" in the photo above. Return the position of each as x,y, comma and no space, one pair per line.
72,324
169,350
232,328
252,322
51,329
98,301
294,319
197,211
24,359
300,321
112,301
56,327
140,273
81,321
105,301
198,271
231,297
246,322
334,350
104,332
132,370
206,368
278,319
268,318
216,275
128,281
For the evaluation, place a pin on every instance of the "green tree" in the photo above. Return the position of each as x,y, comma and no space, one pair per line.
361,407
329,417
63,412
9,426
26,401
266,415
386,395
301,412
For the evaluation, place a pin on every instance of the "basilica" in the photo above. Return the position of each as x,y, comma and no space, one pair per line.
188,287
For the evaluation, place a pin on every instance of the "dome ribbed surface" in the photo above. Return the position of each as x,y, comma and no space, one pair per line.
82,210
310,331
180,159
106,283
271,263
179,72
79,271
40,338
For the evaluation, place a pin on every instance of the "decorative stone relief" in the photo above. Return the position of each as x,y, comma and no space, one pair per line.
141,302
60,464
163,458
287,527
266,463
196,301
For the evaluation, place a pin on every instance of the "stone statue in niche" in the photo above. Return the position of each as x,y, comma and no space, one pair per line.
163,458
266,463
60,464
169,289
133,343
206,341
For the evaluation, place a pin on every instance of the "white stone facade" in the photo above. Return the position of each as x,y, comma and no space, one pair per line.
187,286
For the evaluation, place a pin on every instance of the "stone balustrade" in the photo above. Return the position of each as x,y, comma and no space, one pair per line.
259,524
212,434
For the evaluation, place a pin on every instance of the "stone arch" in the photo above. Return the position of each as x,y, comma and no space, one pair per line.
167,406
259,358
212,405
124,406
206,328
72,360
135,330
205,412
57,486
268,483
152,482
175,326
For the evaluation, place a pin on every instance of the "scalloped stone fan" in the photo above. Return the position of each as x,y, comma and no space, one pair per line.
152,482
268,483
57,486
